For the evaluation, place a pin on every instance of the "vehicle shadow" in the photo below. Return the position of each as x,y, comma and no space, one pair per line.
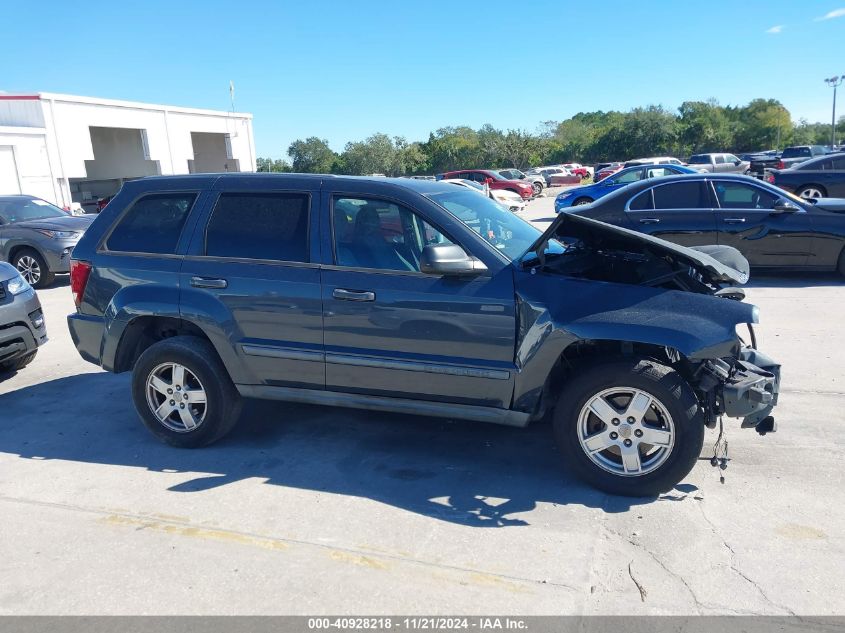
793,280
466,473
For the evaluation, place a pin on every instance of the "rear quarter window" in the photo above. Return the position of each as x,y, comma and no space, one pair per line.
153,224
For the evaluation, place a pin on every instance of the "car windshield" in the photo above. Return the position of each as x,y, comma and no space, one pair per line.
699,159
28,209
510,234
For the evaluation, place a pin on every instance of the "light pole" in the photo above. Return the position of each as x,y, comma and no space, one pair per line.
834,82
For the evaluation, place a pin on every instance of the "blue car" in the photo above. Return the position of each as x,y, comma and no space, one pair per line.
588,193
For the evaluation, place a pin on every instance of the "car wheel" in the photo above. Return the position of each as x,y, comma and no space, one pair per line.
629,427
841,265
581,201
809,192
537,187
18,363
183,393
33,268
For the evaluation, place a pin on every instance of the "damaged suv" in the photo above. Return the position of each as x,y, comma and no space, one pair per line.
418,297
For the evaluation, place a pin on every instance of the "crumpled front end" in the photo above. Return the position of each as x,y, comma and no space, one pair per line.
745,387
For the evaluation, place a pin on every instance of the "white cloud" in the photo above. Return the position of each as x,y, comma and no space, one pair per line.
836,13
775,29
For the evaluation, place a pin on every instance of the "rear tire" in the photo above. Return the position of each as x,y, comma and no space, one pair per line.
841,265
672,418
18,363
33,268
212,403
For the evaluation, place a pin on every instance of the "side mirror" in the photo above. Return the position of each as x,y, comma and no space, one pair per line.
782,205
449,259
488,181
737,162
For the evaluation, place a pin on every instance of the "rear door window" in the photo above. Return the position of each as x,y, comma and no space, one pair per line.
152,224
680,195
268,226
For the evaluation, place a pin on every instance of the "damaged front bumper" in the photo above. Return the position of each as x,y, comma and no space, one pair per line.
747,389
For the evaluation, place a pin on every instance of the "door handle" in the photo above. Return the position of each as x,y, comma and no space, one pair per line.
206,282
649,220
353,295
734,220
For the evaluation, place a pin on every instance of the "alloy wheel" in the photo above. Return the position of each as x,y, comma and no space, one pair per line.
809,193
626,431
176,397
29,269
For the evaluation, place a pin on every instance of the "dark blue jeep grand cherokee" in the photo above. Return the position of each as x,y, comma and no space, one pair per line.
420,298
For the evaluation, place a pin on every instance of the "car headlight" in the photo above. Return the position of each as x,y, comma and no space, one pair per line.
17,285
564,195
58,235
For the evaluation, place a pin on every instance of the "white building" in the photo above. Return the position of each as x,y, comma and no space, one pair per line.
76,149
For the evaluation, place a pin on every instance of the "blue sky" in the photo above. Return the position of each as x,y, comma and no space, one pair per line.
344,70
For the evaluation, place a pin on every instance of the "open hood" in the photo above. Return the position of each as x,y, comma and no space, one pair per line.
715,264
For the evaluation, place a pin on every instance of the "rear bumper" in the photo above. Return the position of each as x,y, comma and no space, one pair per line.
87,334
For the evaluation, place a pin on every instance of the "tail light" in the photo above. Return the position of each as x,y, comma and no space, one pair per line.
770,178
781,165
79,272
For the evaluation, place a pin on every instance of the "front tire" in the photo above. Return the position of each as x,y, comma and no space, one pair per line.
582,201
537,187
629,427
183,393
33,268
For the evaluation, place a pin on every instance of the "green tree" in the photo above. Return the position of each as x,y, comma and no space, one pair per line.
704,127
272,165
313,155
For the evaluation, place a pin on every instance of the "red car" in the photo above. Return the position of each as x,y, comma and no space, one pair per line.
524,188
608,170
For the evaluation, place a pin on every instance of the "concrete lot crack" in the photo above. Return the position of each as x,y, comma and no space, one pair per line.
640,588
142,522
734,568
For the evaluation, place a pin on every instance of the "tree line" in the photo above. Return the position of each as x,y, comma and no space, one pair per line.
587,137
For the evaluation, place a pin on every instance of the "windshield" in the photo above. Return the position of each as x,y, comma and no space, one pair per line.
699,159
501,228
18,210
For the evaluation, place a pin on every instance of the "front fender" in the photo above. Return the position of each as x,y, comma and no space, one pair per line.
555,312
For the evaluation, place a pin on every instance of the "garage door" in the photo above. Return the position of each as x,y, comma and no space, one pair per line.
8,172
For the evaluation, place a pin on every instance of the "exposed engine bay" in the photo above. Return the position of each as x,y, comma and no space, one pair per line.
735,380
588,249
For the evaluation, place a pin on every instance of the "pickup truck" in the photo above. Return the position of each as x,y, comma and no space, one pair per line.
719,163
790,156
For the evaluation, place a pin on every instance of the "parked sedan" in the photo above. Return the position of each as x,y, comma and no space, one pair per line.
771,228
37,237
820,177
493,179
508,199
603,170
585,195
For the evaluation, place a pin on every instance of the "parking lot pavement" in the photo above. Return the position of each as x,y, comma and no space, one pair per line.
315,510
